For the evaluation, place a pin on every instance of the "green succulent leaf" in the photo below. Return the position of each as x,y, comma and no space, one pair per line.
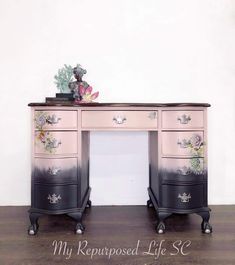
63,77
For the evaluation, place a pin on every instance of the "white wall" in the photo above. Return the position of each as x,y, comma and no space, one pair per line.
134,51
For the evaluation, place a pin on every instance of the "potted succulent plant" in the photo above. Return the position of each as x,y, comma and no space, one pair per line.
62,80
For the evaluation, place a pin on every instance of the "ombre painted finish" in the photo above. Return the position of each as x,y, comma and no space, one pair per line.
180,164
177,156
55,170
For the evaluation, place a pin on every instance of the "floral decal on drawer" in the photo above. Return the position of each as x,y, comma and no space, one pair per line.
48,141
43,118
196,166
195,145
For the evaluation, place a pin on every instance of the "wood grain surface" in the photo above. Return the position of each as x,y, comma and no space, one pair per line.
117,227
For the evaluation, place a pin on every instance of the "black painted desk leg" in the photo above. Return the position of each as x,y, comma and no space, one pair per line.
33,228
149,203
79,229
160,227
88,205
205,225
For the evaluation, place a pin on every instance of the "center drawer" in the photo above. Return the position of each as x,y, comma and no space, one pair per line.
51,170
182,196
55,197
119,119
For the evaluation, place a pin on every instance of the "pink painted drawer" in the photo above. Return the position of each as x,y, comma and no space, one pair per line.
55,119
183,166
53,142
182,119
55,170
119,119
182,144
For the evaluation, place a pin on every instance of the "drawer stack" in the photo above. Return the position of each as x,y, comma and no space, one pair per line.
55,169
181,178
182,167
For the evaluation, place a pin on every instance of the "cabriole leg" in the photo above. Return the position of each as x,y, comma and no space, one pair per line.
149,203
79,229
205,225
160,227
88,205
33,228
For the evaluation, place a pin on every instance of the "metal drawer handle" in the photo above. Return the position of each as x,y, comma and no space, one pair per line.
53,199
52,119
184,143
119,119
184,119
53,171
152,115
184,171
53,143
184,197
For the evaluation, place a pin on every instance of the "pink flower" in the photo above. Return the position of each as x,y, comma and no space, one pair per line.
86,94
82,90
89,90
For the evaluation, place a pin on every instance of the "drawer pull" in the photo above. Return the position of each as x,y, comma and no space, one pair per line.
184,143
184,197
53,199
195,144
43,118
52,144
53,171
152,115
119,119
184,119
184,171
52,119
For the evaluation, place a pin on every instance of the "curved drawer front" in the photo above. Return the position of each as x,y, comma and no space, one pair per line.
53,170
55,119
183,144
182,197
55,197
182,169
52,142
119,119
182,119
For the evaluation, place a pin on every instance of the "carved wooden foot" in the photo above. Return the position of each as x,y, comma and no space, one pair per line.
149,203
205,225
79,229
33,228
160,227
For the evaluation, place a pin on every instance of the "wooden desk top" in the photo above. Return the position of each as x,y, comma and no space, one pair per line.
96,104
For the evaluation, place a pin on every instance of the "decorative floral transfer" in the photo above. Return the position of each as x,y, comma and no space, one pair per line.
196,166
195,145
49,142
43,118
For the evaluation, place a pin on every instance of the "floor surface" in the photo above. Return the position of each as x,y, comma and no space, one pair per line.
120,235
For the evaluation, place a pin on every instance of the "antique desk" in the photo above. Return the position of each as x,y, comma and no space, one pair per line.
177,157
